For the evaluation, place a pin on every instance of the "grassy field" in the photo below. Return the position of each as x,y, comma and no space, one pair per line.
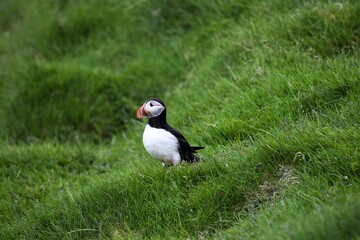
270,88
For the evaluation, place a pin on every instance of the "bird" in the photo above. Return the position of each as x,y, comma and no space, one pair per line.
162,141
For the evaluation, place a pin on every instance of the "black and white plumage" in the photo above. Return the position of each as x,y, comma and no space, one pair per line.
161,140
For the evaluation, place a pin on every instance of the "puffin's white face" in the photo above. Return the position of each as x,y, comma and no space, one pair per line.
150,108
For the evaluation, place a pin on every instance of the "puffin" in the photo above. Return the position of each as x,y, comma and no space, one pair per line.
162,141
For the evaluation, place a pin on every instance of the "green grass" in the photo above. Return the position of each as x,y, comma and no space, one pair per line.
271,88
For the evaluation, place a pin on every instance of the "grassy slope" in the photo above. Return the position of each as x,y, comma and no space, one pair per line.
270,88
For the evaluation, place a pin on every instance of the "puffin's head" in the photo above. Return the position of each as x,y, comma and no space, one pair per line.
151,108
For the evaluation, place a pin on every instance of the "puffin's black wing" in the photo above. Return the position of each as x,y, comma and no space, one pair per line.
186,151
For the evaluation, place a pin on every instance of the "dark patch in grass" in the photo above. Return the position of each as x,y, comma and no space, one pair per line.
60,104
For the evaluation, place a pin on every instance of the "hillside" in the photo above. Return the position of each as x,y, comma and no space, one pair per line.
270,88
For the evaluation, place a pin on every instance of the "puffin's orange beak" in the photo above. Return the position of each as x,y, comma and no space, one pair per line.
139,113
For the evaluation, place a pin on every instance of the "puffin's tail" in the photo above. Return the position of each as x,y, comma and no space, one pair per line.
191,157
194,148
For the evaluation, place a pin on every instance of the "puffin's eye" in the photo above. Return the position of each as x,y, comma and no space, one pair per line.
151,105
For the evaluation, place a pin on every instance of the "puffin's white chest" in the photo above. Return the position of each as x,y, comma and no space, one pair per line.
162,145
